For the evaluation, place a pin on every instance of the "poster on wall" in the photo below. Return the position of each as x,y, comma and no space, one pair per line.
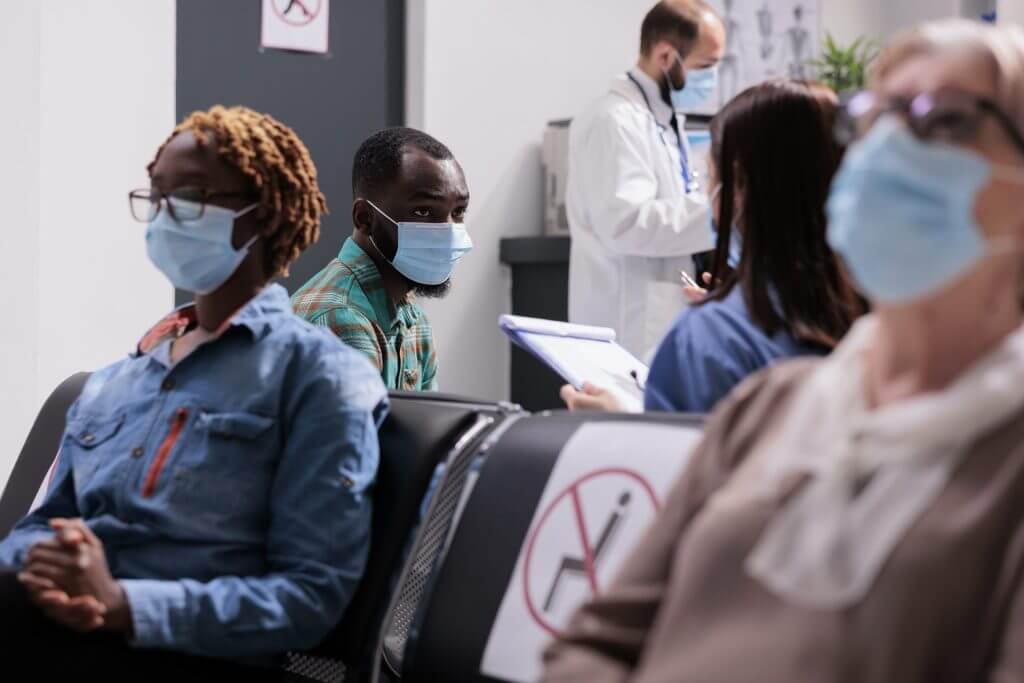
298,25
765,39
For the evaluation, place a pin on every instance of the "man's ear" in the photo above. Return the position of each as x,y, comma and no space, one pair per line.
362,216
670,61
665,55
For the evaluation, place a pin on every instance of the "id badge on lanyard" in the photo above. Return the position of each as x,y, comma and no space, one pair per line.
689,183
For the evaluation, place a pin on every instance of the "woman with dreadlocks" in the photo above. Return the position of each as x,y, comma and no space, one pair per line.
211,493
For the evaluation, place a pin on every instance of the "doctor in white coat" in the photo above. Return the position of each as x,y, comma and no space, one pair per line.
637,210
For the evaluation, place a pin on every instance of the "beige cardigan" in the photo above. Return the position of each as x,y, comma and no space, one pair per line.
948,604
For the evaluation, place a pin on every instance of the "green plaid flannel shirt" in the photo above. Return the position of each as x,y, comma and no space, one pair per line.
348,298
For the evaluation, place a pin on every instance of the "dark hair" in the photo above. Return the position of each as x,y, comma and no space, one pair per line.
774,145
379,159
676,22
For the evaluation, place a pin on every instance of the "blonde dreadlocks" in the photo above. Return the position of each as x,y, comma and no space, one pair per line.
273,157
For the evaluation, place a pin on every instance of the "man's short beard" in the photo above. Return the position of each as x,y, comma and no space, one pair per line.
431,291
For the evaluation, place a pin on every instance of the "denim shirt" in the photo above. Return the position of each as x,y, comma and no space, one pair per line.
709,350
231,490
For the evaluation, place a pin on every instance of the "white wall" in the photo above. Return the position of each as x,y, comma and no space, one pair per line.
898,15
847,20
19,235
1011,12
484,76
95,85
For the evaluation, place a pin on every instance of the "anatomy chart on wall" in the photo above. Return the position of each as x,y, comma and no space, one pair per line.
765,39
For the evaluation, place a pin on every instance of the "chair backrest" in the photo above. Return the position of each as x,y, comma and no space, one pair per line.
432,537
545,478
38,453
421,431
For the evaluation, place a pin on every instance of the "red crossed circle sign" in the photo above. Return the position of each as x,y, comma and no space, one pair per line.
297,12
583,538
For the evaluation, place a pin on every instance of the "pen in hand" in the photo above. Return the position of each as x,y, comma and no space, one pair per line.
694,292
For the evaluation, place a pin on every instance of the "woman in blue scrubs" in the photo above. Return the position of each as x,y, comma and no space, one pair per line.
778,290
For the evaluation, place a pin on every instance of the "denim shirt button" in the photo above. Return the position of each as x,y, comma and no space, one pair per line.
88,438
168,384
137,452
347,483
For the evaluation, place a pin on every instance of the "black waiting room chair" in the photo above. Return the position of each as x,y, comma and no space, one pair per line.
421,431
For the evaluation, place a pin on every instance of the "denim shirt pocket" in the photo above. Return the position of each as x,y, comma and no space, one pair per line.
228,471
84,442
244,426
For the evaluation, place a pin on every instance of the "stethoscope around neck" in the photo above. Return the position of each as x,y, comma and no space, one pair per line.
689,183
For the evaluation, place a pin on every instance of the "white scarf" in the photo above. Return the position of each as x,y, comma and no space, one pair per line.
827,544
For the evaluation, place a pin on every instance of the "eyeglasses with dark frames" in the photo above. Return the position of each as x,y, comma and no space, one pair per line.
183,204
947,115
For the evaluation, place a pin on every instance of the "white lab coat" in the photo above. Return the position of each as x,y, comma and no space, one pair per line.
633,226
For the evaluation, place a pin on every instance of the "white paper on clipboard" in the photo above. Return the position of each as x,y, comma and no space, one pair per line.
581,353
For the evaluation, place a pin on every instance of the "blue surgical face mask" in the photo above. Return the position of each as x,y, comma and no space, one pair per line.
735,239
699,87
196,255
427,252
901,212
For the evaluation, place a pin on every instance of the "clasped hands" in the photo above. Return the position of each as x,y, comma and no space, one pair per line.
67,577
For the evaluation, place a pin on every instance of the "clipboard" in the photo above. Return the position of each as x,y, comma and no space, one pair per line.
580,353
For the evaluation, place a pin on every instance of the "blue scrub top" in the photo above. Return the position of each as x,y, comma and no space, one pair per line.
709,350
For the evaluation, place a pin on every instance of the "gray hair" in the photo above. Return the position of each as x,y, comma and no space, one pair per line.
1001,46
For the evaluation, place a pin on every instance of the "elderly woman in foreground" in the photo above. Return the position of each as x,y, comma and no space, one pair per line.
861,517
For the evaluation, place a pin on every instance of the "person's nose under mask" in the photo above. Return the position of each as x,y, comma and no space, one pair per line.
901,212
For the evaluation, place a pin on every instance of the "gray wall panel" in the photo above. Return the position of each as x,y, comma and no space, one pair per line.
332,101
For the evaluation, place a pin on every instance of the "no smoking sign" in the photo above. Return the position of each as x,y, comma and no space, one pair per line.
601,496
297,12
577,541
298,25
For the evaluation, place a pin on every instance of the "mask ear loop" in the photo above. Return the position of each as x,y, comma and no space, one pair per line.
377,249
717,190
668,76
252,240
381,212
247,209
370,237
1004,244
1007,173
682,67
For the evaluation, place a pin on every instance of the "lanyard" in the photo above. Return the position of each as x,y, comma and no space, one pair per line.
684,159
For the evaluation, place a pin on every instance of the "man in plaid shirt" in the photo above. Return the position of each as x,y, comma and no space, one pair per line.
410,199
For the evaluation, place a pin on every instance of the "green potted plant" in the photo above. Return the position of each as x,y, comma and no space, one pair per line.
845,68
